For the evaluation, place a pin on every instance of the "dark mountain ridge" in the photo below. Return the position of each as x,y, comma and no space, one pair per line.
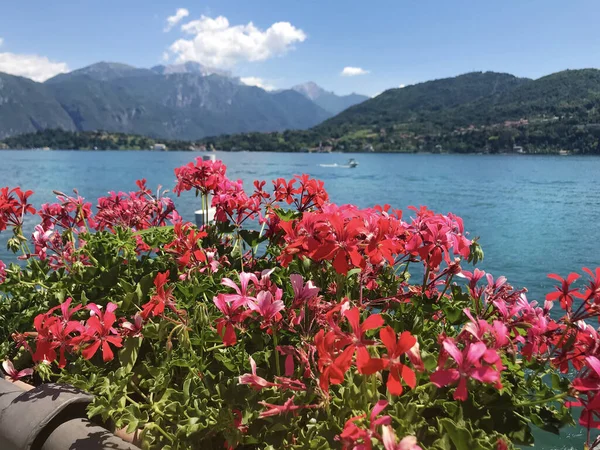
178,103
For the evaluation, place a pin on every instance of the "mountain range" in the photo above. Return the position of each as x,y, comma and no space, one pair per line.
329,101
473,112
187,101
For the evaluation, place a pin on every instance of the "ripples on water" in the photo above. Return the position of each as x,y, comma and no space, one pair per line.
535,214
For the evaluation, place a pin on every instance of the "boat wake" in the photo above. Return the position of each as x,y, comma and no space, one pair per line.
351,164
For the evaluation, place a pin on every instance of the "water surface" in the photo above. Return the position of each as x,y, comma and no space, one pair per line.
534,214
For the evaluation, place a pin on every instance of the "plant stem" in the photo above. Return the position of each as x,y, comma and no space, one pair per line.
255,248
241,250
374,387
216,347
405,270
446,287
539,369
138,390
163,432
132,401
543,400
275,344
37,283
425,278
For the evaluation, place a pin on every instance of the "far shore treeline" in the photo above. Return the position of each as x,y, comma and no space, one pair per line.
477,112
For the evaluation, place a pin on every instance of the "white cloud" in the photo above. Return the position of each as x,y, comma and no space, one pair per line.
1,42
353,71
38,68
180,14
401,86
216,43
258,82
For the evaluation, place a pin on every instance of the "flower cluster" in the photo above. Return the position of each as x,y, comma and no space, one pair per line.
353,238
57,335
203,176
320,339
14,205
136,210
354,433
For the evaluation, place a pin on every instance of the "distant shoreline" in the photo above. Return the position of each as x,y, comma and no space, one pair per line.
295,152
55,140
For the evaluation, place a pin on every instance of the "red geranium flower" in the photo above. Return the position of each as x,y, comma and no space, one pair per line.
365,364
398,370
162,298
564,293
100,332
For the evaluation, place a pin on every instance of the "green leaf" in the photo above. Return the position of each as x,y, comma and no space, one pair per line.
555,381
252,238
286,214
129,353
476,252
353,272
460,436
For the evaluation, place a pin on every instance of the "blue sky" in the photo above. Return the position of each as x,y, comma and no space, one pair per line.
290,42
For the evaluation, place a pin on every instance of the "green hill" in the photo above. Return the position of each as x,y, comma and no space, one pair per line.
424,102
474,112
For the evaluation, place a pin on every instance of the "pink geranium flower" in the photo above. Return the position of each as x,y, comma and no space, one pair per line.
2,272
592,381
253,380
14,374
233,315
355,436
389,440
302,292
242,295
287,407
267,306
468,366
133,329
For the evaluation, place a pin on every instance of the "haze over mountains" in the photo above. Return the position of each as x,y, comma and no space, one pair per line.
329,101
186,101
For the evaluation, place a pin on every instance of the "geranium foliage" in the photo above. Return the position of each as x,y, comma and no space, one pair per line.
289,322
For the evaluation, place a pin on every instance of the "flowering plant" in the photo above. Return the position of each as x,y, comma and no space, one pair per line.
289,322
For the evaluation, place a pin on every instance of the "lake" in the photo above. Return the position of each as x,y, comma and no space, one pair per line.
534,214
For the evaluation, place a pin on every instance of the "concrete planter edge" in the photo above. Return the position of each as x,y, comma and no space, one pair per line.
50,417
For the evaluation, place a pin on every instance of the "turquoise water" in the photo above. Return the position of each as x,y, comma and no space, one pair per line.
535,214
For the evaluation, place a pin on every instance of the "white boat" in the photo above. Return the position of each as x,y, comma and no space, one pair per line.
351,164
